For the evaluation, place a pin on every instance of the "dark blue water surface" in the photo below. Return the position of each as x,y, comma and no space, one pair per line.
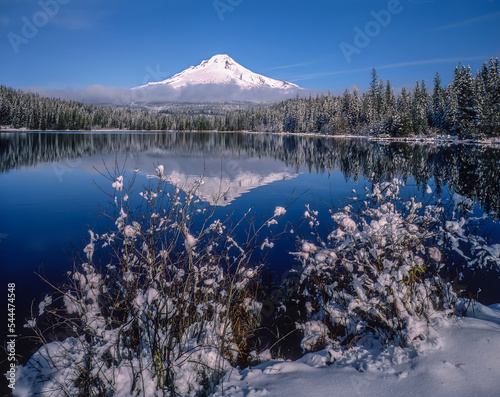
51,189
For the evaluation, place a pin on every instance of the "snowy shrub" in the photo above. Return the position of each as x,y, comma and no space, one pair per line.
379,273
167,316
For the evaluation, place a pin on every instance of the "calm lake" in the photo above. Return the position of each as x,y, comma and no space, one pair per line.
52,189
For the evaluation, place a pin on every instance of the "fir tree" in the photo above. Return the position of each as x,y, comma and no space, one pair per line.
466,115
438,105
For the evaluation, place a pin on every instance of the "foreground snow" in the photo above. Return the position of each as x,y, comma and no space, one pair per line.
462,358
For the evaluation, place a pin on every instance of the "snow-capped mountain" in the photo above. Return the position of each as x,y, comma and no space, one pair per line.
222,70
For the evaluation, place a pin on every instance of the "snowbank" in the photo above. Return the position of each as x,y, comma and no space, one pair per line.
462,359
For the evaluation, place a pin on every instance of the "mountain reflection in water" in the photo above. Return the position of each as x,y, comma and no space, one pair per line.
470,170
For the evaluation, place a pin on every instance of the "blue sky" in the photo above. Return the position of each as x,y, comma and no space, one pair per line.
315,44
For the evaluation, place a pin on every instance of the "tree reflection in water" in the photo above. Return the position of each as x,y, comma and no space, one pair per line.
467,169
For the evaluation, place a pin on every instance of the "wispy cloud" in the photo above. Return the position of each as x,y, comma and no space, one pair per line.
295,65
388,66
467,22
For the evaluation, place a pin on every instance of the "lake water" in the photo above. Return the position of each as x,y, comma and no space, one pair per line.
52,190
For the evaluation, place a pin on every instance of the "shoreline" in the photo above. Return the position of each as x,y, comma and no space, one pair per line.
448,139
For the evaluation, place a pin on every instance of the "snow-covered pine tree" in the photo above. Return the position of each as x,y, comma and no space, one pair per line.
419,105
451,106
438,104
467,103
390,103
405,124
354,111
490,101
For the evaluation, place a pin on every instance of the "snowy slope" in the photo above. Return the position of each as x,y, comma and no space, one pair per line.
222,70
461,359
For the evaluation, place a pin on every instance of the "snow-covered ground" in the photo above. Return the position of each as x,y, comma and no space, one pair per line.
462,358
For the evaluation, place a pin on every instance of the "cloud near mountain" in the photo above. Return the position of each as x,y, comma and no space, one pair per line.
218,79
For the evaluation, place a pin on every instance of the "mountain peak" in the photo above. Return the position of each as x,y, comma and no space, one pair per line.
220,58
221,69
